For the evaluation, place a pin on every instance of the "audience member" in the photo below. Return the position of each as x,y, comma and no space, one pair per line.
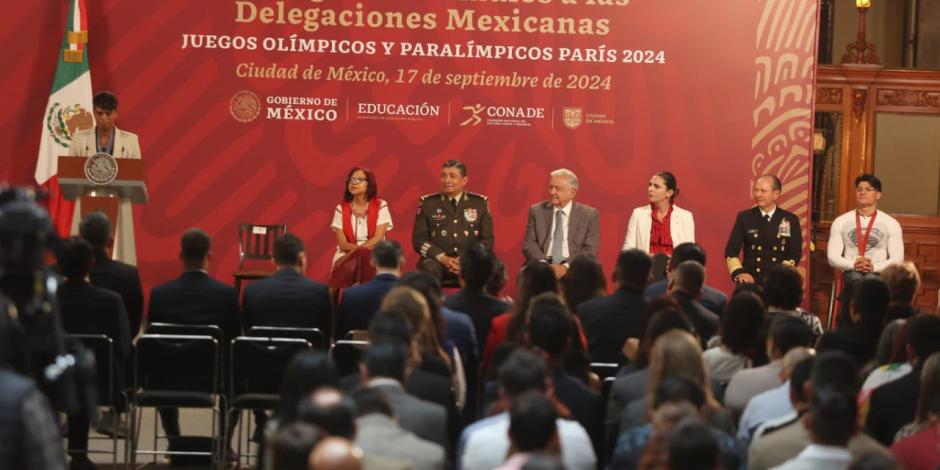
536,278
632,386
288,298
112,274
713,299
903,282
685,286
833,370
384,366
484,444
87,309
797,400
893,404
194,298
549,333
583,281
783,291
609,321
424,332
379,434
785,333
921,450
359,303
774,403
677,354
875,461
291,446
929,386
335,453
497,282
31,439
739,346
477,265
674,399
693,446
890,363
860,338
330,411
831,423
532,429
457,333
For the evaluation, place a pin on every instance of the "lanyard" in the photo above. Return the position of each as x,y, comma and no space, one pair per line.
863,241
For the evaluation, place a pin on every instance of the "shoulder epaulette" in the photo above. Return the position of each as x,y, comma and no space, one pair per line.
469,194
428,195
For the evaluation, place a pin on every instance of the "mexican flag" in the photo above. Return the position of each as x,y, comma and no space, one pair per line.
69,110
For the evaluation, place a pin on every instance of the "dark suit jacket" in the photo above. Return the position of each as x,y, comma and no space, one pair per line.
358,304
194,298
123,279
287,299
480,307
427,420
893,405
608,322
583,230
91,310
856,340
584,404
704,320
713,299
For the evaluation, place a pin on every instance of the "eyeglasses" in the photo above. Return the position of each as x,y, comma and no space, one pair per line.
357,180
865,190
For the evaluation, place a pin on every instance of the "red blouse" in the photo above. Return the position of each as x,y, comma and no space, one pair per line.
660,233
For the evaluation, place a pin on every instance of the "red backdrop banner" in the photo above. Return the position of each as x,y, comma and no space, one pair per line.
254,111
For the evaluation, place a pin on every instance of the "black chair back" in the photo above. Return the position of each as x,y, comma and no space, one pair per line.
184,329
258,364
311,335
347,354
102,348
180,363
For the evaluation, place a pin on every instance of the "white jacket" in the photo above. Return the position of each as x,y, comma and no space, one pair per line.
681,227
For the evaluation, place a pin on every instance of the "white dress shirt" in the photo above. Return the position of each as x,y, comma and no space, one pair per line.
819,457
551,232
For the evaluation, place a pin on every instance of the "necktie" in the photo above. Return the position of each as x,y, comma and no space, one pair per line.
453,203
558,238
767,218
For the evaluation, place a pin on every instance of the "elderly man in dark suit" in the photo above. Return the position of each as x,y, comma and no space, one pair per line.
288,298
91,310
111,274
194,298
560,228
358,304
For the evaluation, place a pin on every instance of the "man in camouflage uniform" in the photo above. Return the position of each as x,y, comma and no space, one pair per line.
767,234
449,222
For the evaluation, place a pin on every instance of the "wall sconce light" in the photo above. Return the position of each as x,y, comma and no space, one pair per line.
861,51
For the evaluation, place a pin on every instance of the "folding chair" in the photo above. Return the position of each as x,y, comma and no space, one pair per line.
346,354
102,348
176,371
312,335
605,369
256,242
257,370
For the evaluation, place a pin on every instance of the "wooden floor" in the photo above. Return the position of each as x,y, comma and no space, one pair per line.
192,423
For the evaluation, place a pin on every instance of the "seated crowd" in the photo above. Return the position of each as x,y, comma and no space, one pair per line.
662,372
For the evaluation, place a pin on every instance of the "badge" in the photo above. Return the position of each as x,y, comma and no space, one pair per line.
466,233
443,233
470,215
438,217
783,229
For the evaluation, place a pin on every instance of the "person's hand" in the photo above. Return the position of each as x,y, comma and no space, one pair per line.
450,263
860,264
744,278
560,270
869,266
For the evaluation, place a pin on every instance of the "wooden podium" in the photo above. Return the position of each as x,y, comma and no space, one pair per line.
128,182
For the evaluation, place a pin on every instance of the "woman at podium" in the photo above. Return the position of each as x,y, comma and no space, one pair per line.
105,137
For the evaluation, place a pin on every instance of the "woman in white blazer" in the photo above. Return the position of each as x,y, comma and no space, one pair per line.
673,225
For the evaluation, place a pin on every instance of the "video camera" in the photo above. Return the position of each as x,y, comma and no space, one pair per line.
33,340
